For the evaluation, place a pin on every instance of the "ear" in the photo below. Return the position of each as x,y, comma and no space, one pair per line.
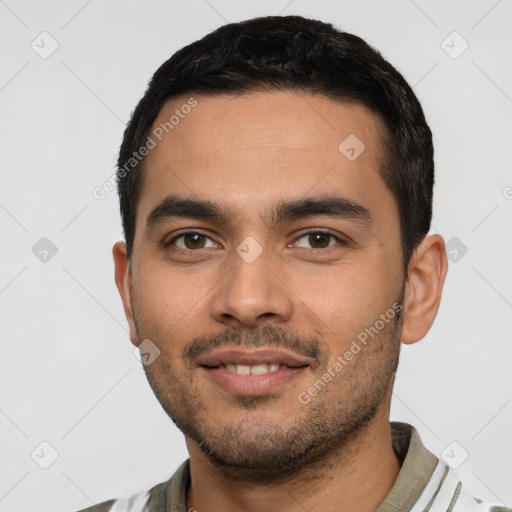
426,273
123,279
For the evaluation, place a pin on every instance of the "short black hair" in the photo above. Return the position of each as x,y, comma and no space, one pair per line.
292,53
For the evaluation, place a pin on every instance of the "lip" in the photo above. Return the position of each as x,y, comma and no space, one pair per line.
252,384
291,366
251,357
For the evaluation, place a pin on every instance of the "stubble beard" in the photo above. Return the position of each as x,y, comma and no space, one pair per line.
268,452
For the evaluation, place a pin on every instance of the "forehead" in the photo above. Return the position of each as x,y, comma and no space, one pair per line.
255,149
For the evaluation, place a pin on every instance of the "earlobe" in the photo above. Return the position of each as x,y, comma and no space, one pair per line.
426,274
123,280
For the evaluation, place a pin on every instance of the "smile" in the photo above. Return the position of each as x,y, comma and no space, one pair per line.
255,369
244,371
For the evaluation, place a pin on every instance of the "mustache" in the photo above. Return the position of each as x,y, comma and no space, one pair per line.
267,336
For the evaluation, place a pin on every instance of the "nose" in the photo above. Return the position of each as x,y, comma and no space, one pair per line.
251,293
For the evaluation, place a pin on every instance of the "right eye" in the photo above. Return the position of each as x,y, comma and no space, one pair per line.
190,241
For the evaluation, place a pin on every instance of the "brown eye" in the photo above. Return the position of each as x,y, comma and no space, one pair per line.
194,241
318,240
191,241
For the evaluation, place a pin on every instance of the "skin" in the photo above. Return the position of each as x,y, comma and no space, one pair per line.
270,451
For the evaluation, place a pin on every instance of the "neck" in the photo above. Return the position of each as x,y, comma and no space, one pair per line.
356,477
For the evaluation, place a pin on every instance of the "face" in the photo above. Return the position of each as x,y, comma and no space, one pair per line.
267,270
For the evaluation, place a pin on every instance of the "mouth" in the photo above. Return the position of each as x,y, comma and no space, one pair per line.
256,372
255,369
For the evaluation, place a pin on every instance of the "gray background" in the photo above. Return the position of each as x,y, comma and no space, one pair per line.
68,373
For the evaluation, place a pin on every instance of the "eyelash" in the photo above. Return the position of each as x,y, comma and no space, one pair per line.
340,241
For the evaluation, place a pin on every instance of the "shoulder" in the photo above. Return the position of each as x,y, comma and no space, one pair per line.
164,496
135,503
428,482
101,507
466,503
451,495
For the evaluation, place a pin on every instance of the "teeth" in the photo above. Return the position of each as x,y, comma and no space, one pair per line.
255,369
243,369
259,369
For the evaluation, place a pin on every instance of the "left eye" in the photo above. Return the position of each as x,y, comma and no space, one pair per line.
318,240
191,240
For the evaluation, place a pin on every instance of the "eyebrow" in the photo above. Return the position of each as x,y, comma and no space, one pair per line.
172,207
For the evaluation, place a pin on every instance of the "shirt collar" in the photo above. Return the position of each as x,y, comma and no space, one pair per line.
418,464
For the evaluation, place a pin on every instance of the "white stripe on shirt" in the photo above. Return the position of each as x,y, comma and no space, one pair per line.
136,503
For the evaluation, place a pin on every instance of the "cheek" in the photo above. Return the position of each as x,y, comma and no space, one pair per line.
340,302
164,299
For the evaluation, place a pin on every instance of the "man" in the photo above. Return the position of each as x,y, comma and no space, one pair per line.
275,185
